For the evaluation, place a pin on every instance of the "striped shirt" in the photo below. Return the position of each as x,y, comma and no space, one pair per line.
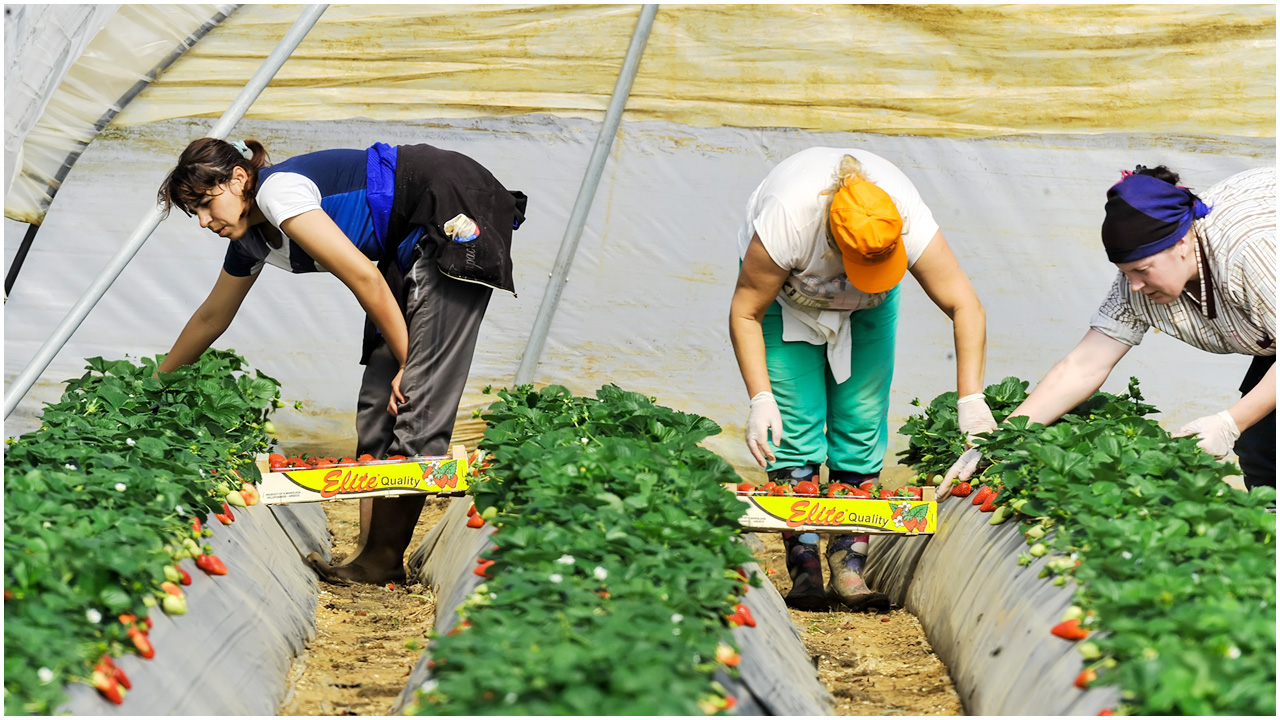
1234,309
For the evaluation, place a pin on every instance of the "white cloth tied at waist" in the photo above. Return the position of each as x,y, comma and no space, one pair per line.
817,327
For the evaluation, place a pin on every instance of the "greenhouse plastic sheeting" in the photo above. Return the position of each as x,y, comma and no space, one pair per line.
776,675
987,619
113,49
230,654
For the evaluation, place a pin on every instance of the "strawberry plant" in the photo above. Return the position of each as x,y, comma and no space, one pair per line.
616,566
99,503
1175,571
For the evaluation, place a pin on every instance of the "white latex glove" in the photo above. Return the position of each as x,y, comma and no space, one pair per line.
1218,433
960,471
764,417
974,416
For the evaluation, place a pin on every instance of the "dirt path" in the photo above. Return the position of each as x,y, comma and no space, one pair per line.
872,663
369,638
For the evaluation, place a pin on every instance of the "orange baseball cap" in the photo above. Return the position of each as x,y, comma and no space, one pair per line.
868,230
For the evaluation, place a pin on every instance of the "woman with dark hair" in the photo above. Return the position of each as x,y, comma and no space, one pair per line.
1201,269
420,235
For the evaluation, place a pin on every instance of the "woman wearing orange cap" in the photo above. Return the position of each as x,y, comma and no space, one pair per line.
829,235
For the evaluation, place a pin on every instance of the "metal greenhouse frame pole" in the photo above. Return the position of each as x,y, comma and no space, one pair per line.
586,193
23,382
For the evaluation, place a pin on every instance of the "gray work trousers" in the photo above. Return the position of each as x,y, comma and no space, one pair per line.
443,316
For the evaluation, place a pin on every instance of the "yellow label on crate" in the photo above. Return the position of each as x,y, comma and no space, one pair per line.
890,515
434,477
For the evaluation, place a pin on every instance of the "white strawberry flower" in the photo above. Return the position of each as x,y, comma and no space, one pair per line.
566,560
70,466
45,675
178,509
1233,652
677,617
121,487
93,616
556,577
130,442
510,699
600,573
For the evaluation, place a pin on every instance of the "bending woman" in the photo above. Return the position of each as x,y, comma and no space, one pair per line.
420,235
829,235
1200,270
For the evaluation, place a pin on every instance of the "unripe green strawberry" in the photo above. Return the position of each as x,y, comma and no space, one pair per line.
1089,651
489,513
174,605
235,498
269,427
1035,533
171,574
1075,612
1038,550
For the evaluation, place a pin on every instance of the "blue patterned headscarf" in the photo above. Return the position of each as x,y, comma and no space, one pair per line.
1146,215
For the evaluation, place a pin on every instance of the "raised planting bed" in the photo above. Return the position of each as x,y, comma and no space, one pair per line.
611,577
122,503
1113,571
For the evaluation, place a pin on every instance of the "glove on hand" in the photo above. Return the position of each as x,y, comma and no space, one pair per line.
763,418
974,416
960,471
1218,433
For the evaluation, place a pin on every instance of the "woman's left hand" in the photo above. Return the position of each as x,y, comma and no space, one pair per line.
397,398
974,417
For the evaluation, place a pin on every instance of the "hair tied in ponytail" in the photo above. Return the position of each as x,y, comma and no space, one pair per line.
241,148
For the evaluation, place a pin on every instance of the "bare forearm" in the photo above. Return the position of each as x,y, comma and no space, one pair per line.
971,348
748,347
376,299
1257,403
1065,386
199,333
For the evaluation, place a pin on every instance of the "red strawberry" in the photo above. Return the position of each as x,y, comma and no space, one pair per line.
276,461
121,678
981,496
1085,677
746,487
211,564
142,642
917,493
195,528
806,488
885,494
961,489
475,521
106,684
226,517
186,576
867,485
1070,630
989,505
745,613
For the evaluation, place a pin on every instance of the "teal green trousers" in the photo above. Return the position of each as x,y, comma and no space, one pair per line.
844,425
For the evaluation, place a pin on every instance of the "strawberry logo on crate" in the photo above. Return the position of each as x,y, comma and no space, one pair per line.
909,518
443,475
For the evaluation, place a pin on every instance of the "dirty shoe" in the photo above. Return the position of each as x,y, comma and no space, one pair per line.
805,567
847,584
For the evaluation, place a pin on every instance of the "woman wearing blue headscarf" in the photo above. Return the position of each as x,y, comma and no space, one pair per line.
1201,269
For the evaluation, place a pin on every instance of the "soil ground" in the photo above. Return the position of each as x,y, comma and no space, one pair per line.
368,639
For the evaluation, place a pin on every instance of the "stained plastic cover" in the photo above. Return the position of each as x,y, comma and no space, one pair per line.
230,654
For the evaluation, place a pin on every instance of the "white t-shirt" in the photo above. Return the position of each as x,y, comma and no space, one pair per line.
788,211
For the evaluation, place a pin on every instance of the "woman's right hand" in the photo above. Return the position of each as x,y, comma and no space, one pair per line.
960,471
397,398
764,417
